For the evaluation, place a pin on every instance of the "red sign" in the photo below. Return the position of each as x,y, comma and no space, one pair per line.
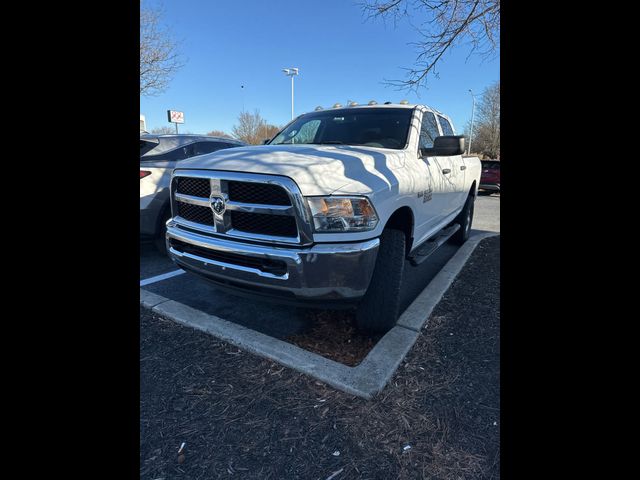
175,117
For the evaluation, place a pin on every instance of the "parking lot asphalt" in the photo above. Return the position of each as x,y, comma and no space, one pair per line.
278,321
487,213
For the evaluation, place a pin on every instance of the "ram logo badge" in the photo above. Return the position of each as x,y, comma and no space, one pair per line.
218,205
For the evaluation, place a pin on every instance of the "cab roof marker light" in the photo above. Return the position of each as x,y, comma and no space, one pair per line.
372,102
353,104
337,105
404,102
318,108
387,103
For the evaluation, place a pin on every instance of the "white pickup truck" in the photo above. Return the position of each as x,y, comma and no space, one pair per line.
327,212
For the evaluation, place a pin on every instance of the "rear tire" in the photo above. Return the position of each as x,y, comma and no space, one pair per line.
464,218
378,310
160,240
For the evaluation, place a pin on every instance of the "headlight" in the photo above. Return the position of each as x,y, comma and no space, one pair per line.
342,214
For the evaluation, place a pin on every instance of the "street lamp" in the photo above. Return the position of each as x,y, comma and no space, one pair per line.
473,108
291,72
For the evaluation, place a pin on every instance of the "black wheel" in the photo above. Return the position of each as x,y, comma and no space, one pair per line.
378,310
160,242
464,218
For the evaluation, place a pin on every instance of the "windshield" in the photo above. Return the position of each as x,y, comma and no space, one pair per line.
372,127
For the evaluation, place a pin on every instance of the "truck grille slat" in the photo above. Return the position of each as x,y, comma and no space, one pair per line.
259,193
278,225
195,213
197,187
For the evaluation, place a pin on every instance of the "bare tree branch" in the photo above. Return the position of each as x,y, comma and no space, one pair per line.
159,58
486,127
447,23
164,130
218,133
253,129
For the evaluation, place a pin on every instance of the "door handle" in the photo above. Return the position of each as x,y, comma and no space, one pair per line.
446,170
463,167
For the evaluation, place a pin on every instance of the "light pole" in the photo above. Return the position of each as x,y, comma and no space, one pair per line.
473,108
291,72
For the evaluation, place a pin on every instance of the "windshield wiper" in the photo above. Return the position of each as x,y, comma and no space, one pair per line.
330,142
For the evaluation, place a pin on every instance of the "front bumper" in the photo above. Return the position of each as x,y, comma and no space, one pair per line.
322,272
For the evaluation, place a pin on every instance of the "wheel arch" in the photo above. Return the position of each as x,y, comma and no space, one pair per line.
403,219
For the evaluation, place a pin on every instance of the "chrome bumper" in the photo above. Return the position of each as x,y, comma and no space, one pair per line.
321,272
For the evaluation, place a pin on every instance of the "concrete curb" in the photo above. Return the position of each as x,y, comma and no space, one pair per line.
150,300
365,380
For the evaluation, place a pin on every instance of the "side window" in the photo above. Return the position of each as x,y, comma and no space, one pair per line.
446,126
428,130
200,148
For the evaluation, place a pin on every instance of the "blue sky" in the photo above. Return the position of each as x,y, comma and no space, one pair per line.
341,56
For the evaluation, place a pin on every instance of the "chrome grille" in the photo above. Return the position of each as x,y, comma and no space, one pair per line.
259,207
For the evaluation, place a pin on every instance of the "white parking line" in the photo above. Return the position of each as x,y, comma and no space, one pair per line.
158,278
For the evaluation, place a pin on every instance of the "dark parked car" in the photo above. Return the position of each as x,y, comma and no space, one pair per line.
159,155
490,176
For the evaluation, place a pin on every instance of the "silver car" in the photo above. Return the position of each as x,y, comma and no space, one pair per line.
159,155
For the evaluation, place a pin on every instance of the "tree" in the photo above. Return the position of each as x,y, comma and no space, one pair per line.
486,125
253,129
164,130
159,58
445,23
271,130
218,133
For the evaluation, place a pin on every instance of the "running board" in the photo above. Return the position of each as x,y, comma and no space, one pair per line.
431,245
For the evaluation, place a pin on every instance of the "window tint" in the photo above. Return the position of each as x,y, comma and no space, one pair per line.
201,148
428,130
446,126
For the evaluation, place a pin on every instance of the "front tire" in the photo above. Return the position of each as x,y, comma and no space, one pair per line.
464,218
378,310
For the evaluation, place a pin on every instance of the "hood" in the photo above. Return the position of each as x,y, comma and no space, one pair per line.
316,169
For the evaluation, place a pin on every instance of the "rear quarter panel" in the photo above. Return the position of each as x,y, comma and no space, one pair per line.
473,172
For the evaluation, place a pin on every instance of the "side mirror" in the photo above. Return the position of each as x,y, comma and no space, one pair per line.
445,146
265,141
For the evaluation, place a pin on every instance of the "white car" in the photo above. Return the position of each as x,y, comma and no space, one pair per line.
329,210
159,155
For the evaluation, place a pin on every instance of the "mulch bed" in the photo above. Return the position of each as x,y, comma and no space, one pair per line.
245,417
335,336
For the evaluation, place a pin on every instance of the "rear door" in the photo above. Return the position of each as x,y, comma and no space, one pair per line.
456,176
